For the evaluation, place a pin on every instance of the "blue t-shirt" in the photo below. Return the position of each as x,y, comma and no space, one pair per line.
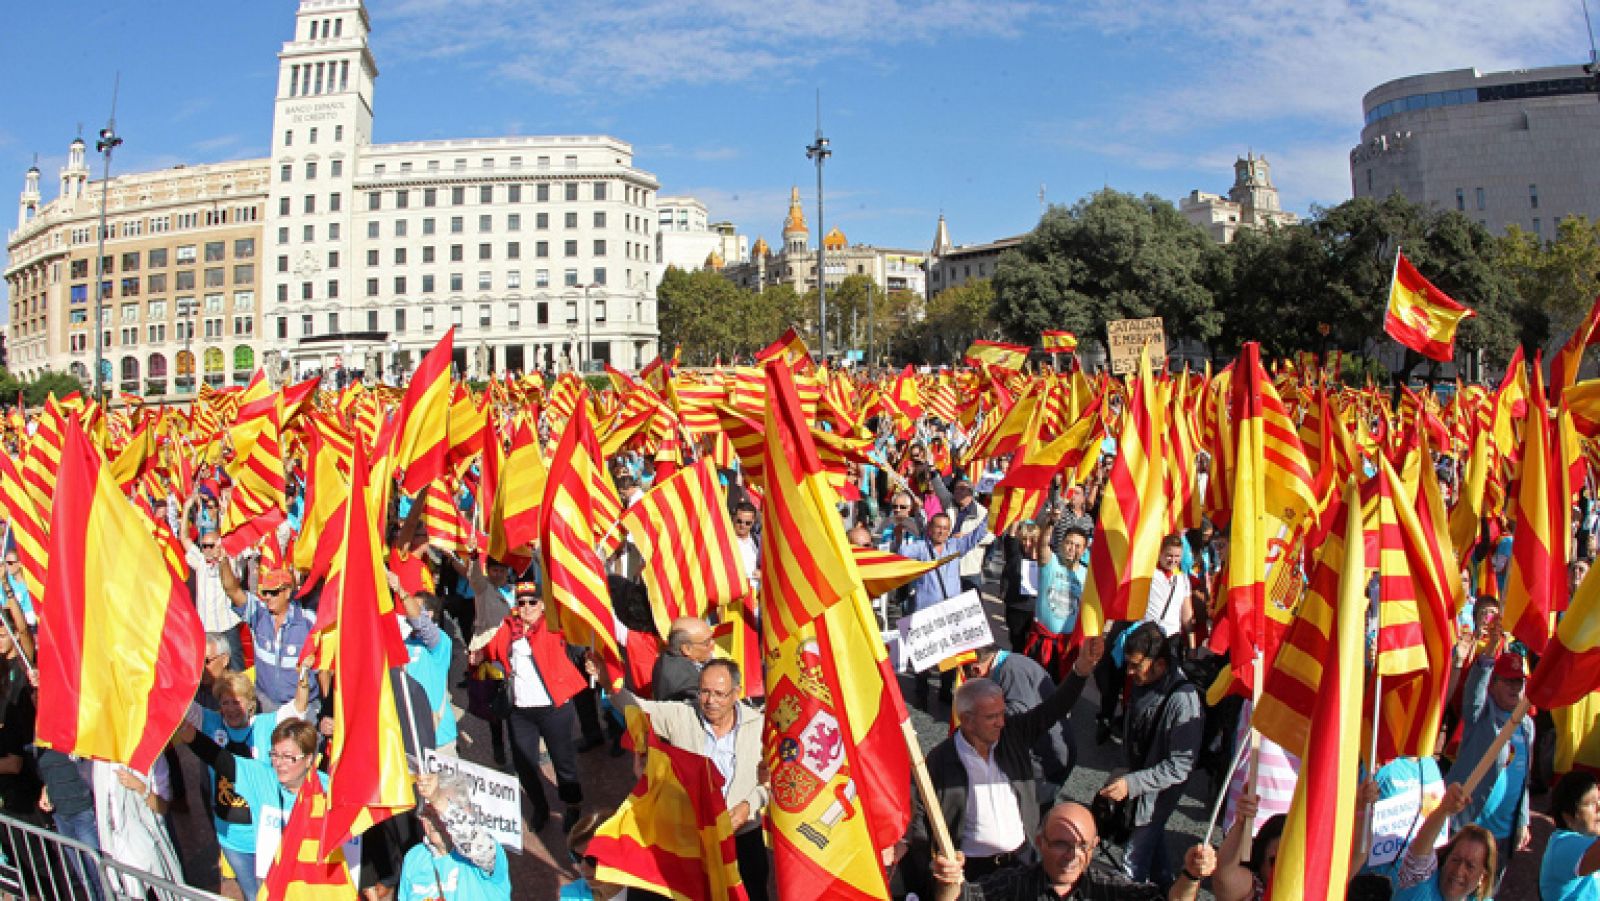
424,876
1416,777
431,669
1060,595
1426,890
1500,809
1558,879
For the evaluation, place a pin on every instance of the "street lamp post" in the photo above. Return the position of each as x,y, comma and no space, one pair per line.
588,324
186,310
108,141
818,151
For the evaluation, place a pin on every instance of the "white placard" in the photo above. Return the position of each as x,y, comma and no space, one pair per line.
932,633
1395,822
496,796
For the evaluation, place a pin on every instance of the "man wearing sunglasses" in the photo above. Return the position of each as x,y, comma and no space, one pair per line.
206,559
279,627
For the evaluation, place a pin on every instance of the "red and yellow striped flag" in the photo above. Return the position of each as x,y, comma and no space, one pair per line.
574,575
883,571
423,436
27,528
691,557
369,779
672,835
1538,549
801,571
1128,540
1314,852
256,505
120,643
299,871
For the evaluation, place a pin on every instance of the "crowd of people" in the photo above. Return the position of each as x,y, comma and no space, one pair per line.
1004,818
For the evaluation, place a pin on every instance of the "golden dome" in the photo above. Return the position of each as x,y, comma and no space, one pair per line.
835,239
761,249
714,260
796,222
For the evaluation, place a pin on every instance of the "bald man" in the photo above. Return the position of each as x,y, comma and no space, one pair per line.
677,672
1066,841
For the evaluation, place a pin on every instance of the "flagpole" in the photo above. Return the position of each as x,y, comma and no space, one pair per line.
1222,797
1500,739
930,799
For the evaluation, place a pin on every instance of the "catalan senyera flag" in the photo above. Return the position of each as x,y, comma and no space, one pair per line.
370,779
691,558
256,505
671,835
27,528
1314,852
801,572
423,437
998,354
1421,316
1538,548
1022,492
1059,342
299,871
120,642
577,598
1131,516
883,571
518,490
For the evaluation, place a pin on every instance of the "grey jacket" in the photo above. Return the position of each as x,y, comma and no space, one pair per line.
1481,720
1166,737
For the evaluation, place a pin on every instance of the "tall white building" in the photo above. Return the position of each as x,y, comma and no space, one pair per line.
541,251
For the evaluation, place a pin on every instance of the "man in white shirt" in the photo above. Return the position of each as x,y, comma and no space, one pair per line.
744,525
1170,605
217,614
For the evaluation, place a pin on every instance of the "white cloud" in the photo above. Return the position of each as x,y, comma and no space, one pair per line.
646,45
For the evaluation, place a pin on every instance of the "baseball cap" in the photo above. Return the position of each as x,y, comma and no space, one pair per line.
529,587
274,579
1510,666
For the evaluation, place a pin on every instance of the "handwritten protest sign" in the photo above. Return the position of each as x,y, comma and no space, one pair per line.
496,796
932,633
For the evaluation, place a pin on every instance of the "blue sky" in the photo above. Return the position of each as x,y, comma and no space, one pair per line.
960,106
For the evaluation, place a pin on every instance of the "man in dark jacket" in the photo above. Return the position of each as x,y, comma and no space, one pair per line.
1026,685
677,672
990,761
1163,727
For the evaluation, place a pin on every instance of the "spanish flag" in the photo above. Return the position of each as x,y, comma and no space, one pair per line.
1421,316
120,643
1059,342
1314,853
1008,357
1570,668
672,835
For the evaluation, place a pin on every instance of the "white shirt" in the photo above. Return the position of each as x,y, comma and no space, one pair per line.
750,553
993,822
216,611
1168,614
971,561
527,689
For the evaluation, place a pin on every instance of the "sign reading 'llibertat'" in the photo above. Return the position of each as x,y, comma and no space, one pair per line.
1124,338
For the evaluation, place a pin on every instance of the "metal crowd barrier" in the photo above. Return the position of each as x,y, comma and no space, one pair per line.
39,865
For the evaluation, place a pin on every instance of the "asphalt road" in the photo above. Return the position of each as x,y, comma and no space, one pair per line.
542,867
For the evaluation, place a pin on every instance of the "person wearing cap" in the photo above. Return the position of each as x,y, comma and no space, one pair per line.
1493,687
279,628
543,675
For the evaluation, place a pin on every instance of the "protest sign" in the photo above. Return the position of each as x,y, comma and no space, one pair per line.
932,633
1395,821
1125,337
495,796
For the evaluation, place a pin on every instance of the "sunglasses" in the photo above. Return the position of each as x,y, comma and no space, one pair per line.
207,547
902,506
273,592
529,602
580,858
744,522
13,563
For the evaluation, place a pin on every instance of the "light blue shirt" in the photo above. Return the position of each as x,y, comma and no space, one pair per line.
1500,809
424,876
722,751
1060,595
1558,879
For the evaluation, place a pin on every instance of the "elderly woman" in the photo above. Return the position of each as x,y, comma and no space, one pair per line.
266,790
1572,858
237,728
457,857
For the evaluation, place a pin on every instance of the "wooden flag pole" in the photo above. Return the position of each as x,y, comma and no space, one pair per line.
943,847
1500,739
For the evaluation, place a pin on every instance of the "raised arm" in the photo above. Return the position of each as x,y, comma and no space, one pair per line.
230,583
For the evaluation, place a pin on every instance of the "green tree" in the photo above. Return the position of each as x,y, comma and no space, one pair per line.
1109,256
954,319
1558,278
701,312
